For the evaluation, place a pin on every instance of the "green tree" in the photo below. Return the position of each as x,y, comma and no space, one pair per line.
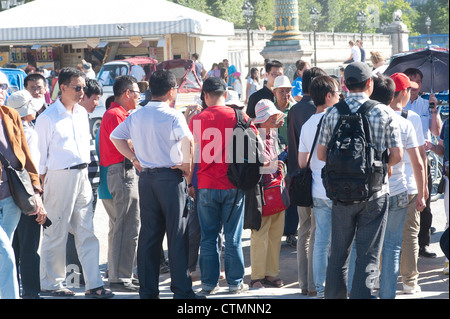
408,14
264,14
438,11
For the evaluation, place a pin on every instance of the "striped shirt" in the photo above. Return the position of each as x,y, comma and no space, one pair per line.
93,168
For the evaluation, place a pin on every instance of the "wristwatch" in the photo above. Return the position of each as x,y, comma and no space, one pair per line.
132,159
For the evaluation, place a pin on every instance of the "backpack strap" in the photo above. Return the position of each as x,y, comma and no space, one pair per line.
315,140
343,108
364,110
404,113
241,119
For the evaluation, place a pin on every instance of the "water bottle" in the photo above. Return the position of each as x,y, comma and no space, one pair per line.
283,155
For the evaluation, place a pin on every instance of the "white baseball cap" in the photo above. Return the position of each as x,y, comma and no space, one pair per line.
24,103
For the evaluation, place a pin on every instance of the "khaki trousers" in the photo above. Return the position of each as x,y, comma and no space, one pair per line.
305,245
410,244
265,247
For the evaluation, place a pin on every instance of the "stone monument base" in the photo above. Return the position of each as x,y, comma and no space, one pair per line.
288,52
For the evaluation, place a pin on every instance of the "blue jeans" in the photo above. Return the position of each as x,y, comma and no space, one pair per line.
322,213
392,245
9,218
214,206
365,222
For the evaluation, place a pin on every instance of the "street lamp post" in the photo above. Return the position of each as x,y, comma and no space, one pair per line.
361,17
428,24
314,15
248,10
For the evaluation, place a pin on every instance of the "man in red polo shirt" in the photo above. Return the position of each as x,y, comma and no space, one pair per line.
212,130
122,182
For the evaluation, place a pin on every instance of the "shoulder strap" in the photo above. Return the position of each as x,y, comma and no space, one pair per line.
404,113
342,108
241,119
367,106
314,143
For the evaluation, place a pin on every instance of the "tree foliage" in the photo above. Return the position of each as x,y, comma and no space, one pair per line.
336,15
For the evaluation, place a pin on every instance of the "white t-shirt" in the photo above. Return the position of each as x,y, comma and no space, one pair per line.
417,125
254,86
422,108
398,179
356,53
305,142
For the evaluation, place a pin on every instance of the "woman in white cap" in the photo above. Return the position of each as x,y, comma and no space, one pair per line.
13,146
266,242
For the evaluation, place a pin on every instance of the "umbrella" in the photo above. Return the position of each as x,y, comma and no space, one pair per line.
433,62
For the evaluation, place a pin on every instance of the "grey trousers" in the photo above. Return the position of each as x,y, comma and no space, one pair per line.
123,186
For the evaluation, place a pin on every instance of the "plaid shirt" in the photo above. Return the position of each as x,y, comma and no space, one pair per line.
385,131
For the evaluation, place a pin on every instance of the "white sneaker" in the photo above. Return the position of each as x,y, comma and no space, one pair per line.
237,290
407,289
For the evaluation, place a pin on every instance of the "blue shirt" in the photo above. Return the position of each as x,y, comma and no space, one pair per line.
297,87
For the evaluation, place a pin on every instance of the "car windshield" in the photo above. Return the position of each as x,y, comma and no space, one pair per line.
108,73
191,82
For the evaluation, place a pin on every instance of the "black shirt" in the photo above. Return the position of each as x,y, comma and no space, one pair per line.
264,93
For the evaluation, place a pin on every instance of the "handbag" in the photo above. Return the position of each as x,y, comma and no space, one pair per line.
20,186
300,188
276,196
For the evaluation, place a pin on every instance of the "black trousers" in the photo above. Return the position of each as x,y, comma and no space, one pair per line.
162,201
25,244
426,218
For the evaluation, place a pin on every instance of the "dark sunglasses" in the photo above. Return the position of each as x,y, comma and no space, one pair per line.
4,86
78,88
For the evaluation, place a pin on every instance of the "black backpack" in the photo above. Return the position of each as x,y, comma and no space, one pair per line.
354,170
244,158
244,155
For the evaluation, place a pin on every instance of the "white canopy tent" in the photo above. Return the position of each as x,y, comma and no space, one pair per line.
59,21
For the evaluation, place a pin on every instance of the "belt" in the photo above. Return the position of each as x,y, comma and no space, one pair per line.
79,166
155,170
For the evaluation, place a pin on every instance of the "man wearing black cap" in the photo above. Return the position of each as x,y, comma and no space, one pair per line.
363,221
212,129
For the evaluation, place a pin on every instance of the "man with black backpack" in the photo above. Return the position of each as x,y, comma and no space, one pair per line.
220,200
355,135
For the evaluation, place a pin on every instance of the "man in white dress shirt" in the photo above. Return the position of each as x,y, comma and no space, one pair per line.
163,147
64,137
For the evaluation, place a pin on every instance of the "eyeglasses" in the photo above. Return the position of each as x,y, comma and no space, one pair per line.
136,92
36,88
3,86
78,88
276,74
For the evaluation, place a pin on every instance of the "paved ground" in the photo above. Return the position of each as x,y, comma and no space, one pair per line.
433,282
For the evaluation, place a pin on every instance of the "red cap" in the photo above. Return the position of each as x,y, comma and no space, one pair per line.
403,82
